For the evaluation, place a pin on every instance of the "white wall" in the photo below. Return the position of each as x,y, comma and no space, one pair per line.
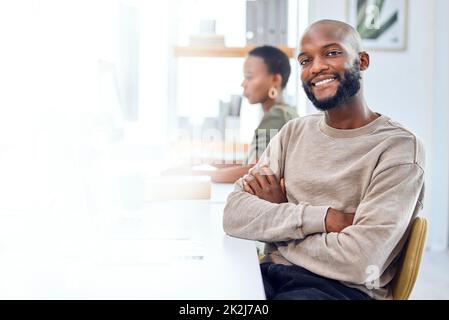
438,155
409,86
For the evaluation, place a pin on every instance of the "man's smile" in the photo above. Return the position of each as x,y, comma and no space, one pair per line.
322,84
321,81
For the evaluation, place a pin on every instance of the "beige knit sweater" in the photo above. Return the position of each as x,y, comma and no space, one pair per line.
375,171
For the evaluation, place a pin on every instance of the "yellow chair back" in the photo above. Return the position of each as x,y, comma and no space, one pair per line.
412,253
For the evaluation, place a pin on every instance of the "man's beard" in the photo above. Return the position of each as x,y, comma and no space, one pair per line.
348,87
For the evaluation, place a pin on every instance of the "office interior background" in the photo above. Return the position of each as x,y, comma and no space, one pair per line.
97,94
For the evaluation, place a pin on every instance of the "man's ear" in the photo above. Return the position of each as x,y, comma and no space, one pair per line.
364,60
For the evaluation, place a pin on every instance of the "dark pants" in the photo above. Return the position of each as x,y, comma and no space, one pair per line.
295,283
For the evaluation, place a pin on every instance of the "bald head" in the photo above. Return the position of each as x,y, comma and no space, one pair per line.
340,31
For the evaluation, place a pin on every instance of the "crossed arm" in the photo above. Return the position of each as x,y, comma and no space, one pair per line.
322,239
265,185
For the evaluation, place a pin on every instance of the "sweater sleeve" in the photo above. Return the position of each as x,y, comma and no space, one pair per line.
393,197
247,216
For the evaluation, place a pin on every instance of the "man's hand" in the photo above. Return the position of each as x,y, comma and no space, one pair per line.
336,220
265,185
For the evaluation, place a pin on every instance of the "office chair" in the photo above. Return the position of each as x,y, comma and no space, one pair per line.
410,260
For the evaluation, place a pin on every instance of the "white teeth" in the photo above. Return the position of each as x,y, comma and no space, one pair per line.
320,83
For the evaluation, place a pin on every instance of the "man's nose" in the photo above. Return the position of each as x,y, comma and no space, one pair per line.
318,65
243,84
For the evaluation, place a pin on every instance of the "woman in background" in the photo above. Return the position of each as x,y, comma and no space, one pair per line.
266,71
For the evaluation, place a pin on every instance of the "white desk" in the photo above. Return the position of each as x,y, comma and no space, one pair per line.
169,250
220,191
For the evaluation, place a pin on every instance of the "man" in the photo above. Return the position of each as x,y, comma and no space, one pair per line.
335,192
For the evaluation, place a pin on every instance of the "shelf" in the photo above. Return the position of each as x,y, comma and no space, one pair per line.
211,51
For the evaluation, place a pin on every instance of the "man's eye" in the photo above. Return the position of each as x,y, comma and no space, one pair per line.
304,62
333,53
